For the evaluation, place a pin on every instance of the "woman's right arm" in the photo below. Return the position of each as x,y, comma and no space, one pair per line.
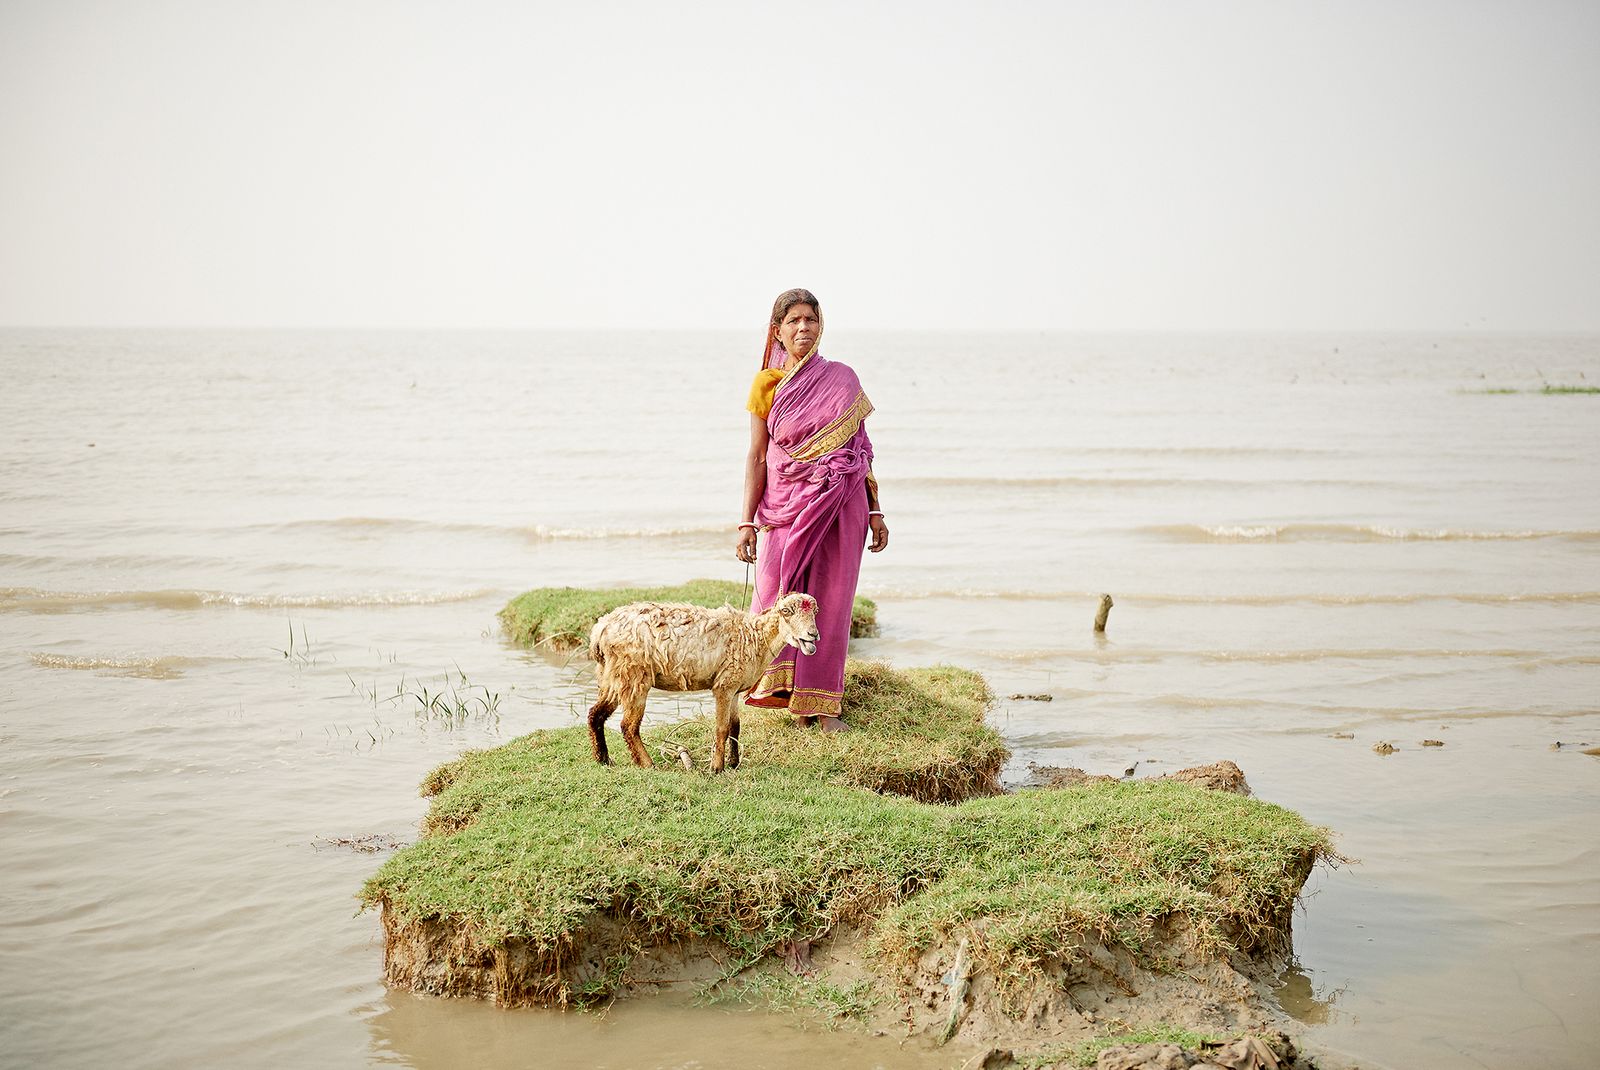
755,485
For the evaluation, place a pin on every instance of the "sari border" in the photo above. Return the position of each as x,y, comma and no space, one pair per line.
778,676
837,433
816,703
791,371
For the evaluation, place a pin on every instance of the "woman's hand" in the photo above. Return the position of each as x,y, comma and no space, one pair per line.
745,548
880,533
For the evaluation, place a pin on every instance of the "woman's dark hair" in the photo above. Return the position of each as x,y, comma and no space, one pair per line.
788,299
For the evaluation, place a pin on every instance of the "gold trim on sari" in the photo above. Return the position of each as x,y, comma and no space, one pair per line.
779,676
811,702
837,433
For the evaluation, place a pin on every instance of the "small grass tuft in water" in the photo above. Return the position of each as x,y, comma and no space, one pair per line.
298,652
450,700
561,617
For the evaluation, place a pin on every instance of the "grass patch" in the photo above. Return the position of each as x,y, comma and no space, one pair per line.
563,616
819,1001
529,845
1086,1052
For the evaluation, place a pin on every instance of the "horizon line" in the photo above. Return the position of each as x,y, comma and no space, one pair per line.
565,328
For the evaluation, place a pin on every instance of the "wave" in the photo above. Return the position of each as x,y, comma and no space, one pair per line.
35,600
1349,533
1363,599
151,668
687,530
1118,482
1267,657
538,532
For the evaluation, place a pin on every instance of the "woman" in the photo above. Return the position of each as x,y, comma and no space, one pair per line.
809,489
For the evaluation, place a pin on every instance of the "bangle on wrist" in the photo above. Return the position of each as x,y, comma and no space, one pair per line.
876,512
752,525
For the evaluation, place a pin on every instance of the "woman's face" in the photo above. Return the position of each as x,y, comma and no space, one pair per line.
799,330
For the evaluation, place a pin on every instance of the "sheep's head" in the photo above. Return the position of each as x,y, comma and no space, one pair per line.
797,621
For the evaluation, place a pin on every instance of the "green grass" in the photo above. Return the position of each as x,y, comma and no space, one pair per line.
562,616
526,844
811,998
1086,1052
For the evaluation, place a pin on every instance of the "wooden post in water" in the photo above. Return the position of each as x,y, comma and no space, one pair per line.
1105,611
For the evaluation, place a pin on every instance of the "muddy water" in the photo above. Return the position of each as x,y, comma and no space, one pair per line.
232,565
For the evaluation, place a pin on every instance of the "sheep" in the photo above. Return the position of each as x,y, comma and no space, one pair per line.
679,647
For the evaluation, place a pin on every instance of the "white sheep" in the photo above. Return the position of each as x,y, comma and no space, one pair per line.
679,647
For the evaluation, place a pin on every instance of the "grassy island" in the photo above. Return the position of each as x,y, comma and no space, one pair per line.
562,616
545,878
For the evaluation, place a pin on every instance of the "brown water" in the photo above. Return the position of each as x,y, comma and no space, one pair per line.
1305,536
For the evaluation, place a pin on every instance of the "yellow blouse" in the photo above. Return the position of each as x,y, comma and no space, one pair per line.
762,389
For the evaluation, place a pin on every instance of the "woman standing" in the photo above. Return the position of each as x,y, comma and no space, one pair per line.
809,490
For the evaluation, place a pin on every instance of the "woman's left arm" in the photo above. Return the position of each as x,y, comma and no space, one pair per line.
880,530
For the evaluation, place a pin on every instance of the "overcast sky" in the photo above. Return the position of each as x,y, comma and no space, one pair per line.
1112,164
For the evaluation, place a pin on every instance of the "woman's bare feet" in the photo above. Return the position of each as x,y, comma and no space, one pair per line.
827,724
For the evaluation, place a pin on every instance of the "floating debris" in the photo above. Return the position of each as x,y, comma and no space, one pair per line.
1433,743
369,844
1341,735
1383,746
1041,697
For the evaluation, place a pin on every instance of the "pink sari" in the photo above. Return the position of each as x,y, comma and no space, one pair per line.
814,522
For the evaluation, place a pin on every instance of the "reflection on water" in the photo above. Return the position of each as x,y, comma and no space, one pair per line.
1298,997
246,624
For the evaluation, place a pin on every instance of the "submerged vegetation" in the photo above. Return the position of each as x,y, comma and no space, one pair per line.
451,700
562,616
1547,388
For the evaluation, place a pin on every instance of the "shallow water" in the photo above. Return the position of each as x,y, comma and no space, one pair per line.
230,564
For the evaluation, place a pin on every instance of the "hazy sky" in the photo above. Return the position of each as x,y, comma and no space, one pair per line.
1113,164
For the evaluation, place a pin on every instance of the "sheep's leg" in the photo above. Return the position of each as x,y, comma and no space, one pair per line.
598,713
632,717
727,729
